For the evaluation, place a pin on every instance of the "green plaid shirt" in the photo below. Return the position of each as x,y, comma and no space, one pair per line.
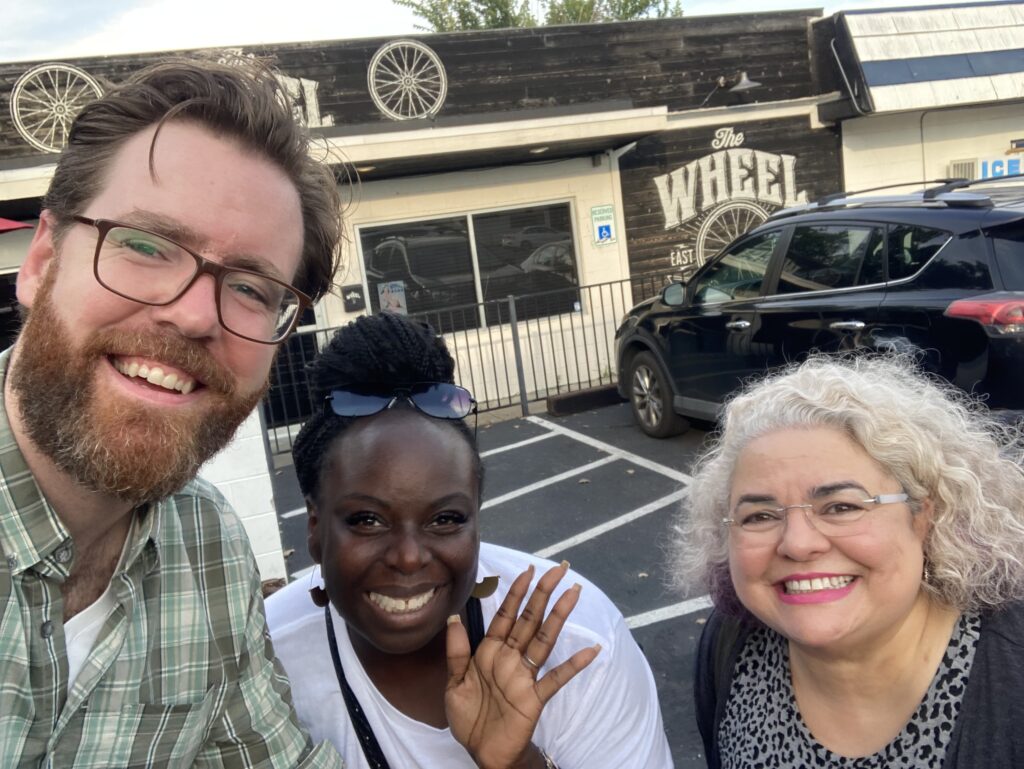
182,673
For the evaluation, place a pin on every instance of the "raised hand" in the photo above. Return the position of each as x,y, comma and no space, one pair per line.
494,699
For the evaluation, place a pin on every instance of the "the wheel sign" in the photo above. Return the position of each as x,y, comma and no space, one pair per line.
407,80
45,101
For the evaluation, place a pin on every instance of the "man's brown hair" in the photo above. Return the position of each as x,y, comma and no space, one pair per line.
243,101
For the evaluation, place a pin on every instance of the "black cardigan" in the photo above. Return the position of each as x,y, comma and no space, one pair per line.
988,733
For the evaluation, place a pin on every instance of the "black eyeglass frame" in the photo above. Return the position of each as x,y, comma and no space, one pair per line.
389,396
203,267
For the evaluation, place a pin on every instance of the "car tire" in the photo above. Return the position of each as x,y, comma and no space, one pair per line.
526,245
650,395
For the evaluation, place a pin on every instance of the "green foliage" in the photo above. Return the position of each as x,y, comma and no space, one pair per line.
455,15
589,11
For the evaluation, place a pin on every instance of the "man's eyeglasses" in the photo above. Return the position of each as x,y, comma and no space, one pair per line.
435,399
841,514
150,269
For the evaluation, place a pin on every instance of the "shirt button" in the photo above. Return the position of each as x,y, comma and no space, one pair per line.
63,553
46,629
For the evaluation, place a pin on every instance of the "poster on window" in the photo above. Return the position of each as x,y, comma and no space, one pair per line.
391,297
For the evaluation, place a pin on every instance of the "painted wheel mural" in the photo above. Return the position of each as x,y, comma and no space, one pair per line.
45,101
723,225
407,80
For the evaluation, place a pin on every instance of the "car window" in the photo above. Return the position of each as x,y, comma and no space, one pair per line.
738,273
910,248
1008,243
832,256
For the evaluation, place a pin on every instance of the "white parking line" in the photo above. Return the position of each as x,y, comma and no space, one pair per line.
615,451
519,445
547,482
669,612
293,513
614,523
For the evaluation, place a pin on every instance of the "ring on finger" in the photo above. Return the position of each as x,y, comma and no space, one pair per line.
530,662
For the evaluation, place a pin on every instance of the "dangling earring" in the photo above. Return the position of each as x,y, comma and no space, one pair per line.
317,593
485,588
926,574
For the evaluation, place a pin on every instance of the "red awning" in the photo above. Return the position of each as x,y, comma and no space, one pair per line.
6,225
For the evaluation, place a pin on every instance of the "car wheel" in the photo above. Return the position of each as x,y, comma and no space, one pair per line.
526,245
651,397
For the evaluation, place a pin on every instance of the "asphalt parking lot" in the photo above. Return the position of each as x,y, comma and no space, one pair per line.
592,489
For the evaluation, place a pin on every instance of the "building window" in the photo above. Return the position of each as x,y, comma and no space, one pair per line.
442,265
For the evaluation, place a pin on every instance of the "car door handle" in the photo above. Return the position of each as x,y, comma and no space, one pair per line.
737,325
847,325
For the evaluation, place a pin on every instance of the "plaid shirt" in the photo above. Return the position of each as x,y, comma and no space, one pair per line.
182,673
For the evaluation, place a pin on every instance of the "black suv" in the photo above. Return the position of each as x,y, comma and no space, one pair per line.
937,273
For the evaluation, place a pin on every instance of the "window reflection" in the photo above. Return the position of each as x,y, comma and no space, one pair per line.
428,266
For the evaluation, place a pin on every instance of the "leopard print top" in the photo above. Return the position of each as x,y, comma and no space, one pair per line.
762,726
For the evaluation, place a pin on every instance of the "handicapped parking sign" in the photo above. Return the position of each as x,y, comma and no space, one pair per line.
602,219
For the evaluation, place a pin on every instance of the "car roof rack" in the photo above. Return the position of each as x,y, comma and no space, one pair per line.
827,199
952,193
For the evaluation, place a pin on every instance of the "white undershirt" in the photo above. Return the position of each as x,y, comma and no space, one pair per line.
607,716
82,630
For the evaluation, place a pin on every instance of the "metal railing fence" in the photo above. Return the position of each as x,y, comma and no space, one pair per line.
508,352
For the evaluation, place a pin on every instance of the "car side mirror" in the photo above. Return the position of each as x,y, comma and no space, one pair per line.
674,294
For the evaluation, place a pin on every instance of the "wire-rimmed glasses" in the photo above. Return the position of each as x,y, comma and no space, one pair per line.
840,514
152,269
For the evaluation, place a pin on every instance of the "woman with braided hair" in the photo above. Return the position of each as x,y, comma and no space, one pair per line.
389,658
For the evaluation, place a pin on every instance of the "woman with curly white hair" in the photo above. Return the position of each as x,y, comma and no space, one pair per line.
861,530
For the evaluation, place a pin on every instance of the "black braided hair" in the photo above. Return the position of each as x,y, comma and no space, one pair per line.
385,350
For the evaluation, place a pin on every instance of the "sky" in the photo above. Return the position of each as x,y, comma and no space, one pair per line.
60,29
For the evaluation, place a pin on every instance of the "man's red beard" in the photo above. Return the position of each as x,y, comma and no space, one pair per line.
106,441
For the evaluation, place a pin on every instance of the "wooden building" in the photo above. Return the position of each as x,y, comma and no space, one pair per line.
501,162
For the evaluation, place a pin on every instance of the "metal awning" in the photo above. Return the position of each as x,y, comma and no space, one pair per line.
902,59
7,225
14,241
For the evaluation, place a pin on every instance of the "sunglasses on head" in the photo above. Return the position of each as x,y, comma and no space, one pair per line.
435,399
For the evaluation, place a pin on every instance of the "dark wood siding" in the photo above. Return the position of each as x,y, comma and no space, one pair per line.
671,166
495,74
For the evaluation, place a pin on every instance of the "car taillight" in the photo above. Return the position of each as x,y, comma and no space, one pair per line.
999,313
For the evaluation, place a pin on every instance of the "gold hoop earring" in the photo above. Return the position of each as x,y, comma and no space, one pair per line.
485,588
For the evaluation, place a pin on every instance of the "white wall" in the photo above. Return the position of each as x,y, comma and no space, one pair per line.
242,474
887,149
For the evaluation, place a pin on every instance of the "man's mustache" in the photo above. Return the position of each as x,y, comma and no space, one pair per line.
170,348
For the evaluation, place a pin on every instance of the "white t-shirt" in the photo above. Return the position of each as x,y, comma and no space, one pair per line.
608,716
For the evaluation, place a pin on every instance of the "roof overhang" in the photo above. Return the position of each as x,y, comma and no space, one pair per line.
25,182
441,149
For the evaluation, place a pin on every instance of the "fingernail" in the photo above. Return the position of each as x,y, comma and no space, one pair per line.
452,619
577,587
565,564
597,648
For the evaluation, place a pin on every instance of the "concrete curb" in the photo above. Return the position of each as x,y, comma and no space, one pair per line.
564,404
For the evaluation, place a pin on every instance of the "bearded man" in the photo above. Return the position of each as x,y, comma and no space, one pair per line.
184,232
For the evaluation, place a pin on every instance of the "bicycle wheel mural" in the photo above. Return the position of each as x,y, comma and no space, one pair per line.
407,80
45,101
724,224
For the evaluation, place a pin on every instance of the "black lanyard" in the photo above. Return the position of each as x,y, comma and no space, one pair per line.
367,739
